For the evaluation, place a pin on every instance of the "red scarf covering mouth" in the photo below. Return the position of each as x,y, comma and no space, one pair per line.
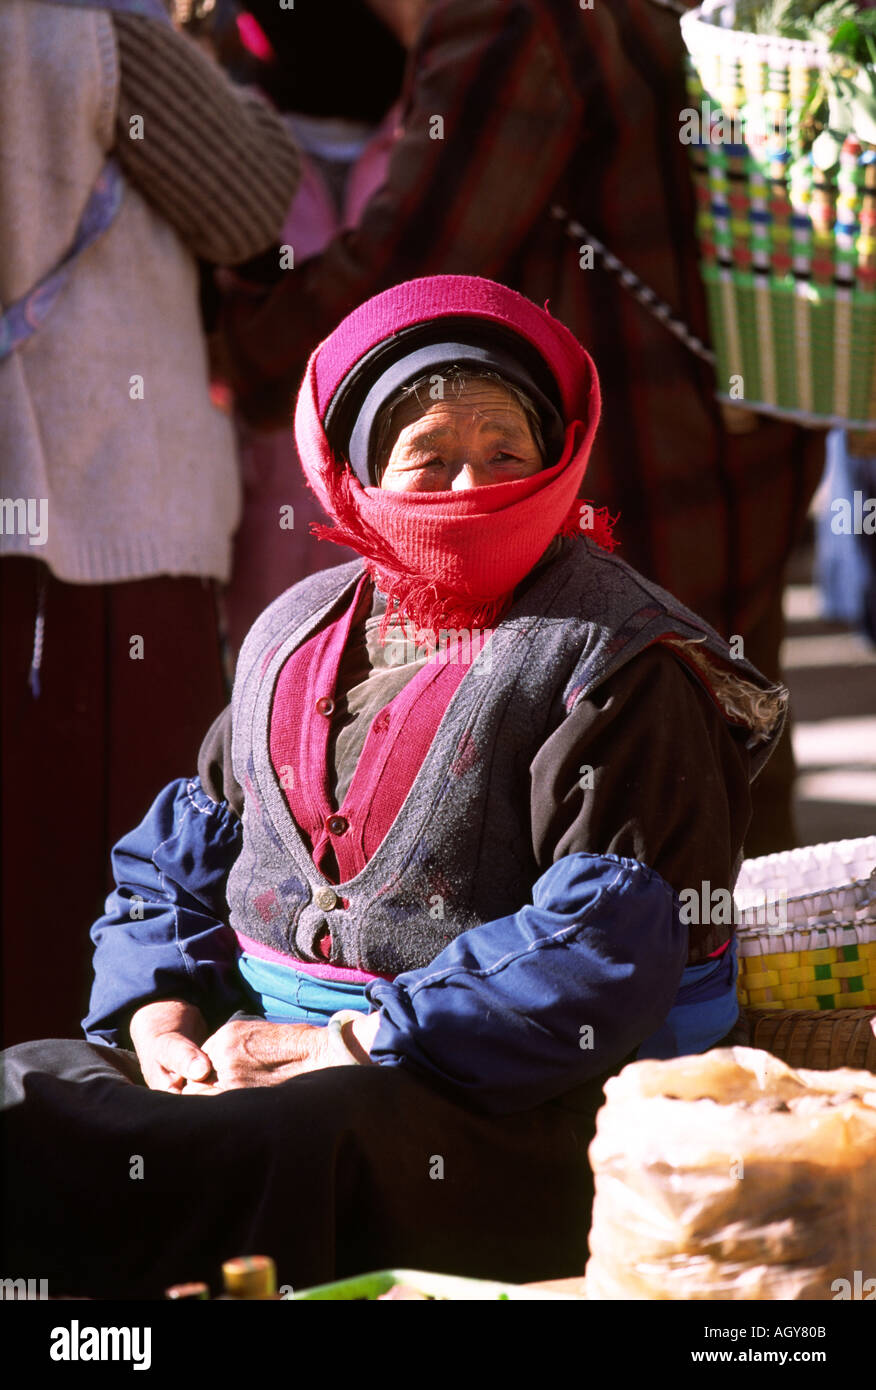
454,559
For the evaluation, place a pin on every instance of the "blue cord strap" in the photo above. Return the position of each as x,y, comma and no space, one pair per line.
22,319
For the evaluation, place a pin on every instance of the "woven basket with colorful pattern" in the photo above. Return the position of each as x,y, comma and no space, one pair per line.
788,252
807,927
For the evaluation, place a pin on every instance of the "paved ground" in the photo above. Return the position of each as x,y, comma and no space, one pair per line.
831,673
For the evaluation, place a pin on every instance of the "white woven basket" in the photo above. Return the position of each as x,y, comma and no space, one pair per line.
806,927
708,30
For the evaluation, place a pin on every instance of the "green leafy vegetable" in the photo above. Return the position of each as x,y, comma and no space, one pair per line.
843,101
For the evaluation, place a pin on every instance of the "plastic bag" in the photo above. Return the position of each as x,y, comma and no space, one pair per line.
732,1176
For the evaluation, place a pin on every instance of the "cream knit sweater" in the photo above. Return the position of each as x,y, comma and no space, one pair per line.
124,487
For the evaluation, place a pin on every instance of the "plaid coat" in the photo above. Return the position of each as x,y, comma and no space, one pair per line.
543,103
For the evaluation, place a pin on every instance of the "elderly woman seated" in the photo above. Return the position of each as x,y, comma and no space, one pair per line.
378,957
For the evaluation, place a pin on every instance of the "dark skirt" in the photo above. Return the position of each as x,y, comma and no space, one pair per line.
83,762
115,1191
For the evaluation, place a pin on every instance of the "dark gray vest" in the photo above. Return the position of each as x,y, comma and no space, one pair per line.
459,852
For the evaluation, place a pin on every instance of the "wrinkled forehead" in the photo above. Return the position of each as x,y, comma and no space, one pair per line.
478,403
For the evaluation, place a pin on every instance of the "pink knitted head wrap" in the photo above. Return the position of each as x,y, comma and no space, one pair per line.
452,559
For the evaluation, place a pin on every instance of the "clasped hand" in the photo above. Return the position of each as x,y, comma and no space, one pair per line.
176,1055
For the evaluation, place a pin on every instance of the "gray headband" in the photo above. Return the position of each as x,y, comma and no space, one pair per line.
435,357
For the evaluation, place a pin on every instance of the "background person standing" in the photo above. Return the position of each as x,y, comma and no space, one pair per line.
521,117
125,156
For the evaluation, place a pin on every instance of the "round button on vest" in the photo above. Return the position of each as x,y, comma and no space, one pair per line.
325,705
336,825
326,899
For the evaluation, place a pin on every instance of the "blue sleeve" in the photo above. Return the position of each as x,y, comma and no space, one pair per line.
164,933
521,1009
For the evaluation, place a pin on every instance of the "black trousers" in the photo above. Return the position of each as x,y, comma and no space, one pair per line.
113,1190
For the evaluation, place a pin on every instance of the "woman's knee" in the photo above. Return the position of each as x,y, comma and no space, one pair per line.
69,1059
